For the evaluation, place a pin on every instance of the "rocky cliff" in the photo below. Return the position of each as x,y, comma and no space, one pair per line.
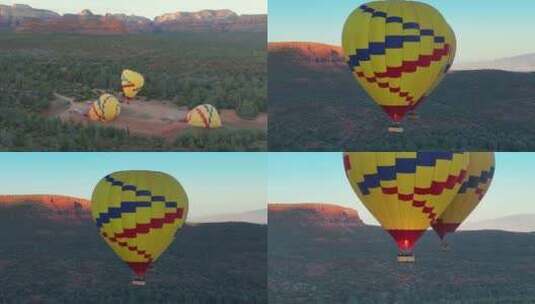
23,18
13,16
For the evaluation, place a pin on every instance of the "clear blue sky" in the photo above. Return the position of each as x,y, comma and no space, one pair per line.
145,8
320,177
486,29
216,183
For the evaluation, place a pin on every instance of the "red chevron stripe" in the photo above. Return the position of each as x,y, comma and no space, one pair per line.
142,253
436,188
155,223
480,193
398,112
204,119
347,163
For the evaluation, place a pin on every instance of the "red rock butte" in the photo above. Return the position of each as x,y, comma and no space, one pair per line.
53,201
317,214
311,52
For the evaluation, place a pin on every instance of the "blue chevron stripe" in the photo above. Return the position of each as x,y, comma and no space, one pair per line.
403,165
474,181
117,212
391,42
130,206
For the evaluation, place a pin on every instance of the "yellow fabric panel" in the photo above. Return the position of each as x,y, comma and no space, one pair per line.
132,82
131,209
105,109
397,50
204,116
480,173
396,186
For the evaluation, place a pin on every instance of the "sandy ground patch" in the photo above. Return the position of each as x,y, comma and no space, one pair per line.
147,117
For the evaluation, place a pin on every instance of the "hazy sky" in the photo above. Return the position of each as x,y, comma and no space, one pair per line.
486,29
320,177
216,183
145,8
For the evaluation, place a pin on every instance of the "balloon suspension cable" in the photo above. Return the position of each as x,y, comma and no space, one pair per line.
445,246
395,128
139,281
413,115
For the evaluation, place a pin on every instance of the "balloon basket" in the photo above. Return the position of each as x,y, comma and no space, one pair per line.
406,258
395,129
138,282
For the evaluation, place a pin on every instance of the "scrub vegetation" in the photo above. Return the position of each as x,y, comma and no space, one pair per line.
316,107
52,261
227,70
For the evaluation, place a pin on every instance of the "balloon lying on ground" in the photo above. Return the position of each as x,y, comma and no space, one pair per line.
204,116
474,188
105,109
406,191
138,214
132,82
398,52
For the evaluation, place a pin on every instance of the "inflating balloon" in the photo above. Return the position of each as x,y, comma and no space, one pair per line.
398,51
105,109
132,82
138,214
406,191
204,116
474,188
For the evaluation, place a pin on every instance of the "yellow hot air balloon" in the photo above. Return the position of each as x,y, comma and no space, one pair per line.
138,214
397,51
105,109
132,82
406,191
204,116
476,185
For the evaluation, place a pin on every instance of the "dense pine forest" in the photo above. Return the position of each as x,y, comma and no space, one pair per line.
227,70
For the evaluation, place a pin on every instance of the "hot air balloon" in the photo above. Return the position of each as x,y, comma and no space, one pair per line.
397,51
474,188
406,191
132,82
105,109
204,116
138,214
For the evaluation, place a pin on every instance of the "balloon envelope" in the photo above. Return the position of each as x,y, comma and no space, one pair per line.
474,188
105,109
398,51
406,191
204,116
132,82
138,214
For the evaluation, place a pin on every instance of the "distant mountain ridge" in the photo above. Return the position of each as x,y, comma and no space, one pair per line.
254,217
24,18
521,63
512,223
